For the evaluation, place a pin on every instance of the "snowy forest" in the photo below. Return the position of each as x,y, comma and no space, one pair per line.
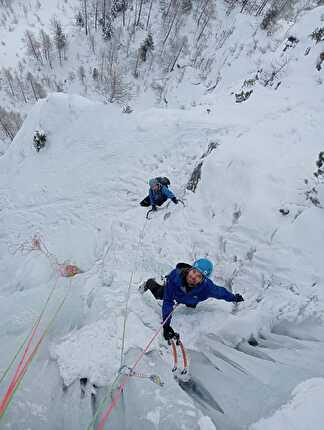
114,51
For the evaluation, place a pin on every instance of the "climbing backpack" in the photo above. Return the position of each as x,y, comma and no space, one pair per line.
163,180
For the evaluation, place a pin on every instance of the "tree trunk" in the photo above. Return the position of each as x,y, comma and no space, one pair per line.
170,28
245,2
85,16
169,7
176,57
33,48
139,12
104,14
6,129
33,89
149,15
96,16
202,12
124,16
10,82
202,30
21,89
261,7
136,65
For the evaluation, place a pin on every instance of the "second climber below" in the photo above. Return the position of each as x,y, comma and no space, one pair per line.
158,193
187,284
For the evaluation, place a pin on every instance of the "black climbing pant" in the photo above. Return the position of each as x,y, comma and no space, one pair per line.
147,202
156,289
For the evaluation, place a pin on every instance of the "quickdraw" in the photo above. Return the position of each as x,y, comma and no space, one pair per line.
126,370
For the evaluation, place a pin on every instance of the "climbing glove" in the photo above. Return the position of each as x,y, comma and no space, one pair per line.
191,306
154,208
169,333
175,200
238,298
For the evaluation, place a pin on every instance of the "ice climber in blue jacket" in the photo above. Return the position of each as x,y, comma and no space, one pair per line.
189,285
158,194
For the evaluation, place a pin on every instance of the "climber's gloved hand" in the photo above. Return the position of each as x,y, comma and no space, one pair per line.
175,200
154,208
238,298
170,334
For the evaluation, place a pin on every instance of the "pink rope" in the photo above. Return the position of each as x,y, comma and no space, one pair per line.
116,397
20,368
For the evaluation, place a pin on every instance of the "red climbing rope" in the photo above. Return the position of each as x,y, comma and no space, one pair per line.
65,270
33,332
27,359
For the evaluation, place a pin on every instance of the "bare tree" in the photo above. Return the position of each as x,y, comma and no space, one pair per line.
261,7
103,16
21,87
10,123
9,80
203,11
138,56
139,12
183,42
96,14
82,74
244,3
46,46
59,39
31,81
172,4
175,15
33,46
115,88
92,42
203,28
149,14
85,12
7,4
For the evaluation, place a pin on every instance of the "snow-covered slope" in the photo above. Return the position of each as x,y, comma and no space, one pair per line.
80,194
31,15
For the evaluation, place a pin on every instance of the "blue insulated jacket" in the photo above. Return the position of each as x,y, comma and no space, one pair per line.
161,195
174,291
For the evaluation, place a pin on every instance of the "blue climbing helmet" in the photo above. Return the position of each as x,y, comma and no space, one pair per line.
204,266
153,182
